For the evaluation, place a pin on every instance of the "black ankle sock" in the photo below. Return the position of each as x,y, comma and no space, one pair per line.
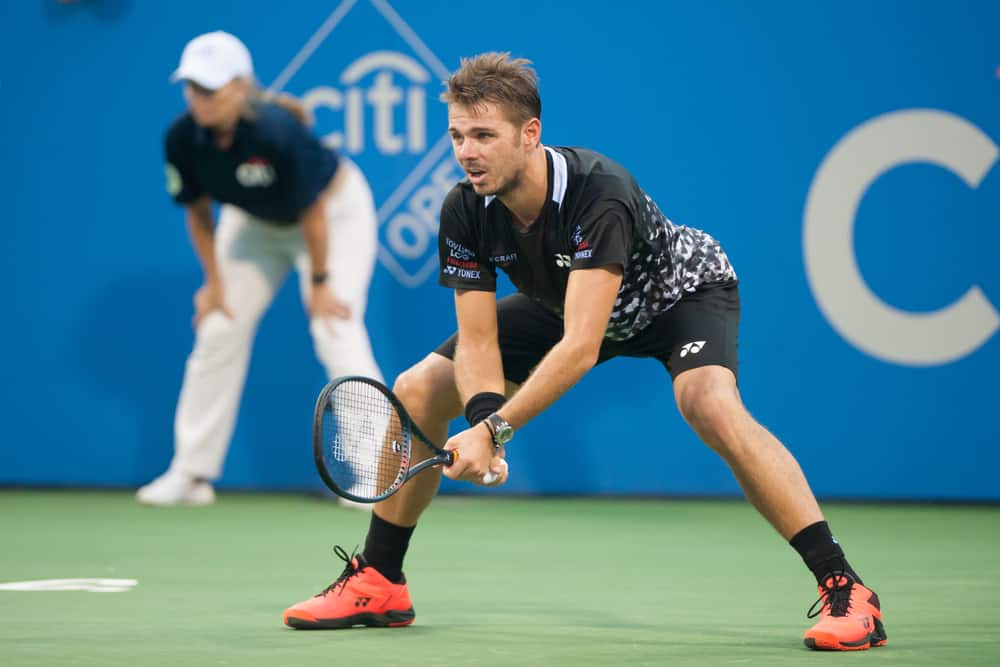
821,552
386,546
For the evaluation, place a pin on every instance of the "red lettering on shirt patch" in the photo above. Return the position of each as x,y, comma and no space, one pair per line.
462,264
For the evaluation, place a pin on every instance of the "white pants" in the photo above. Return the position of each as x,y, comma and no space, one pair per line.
253,259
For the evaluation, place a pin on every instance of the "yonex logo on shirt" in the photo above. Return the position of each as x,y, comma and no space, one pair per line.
462,273
693,347
562,261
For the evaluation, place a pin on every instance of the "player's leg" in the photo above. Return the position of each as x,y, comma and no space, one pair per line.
430,396
773,481
703,362
343,346
251,269
372,590
525,331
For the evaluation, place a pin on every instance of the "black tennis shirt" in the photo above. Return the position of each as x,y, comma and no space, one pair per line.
595,214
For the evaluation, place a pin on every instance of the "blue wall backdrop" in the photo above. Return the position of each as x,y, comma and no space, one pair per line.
844,152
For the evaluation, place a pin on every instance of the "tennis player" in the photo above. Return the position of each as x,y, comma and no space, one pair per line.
600,273
286,201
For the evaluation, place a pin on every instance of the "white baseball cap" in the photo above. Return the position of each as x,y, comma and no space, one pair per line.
214,59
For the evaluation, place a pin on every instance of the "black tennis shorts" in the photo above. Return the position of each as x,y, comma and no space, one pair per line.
699,330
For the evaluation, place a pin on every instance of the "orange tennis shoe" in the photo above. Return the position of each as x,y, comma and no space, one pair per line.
359,596
850,617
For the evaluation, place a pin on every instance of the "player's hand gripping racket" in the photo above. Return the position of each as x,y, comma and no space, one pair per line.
362,441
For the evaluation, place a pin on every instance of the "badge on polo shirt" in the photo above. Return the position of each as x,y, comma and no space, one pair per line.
255,173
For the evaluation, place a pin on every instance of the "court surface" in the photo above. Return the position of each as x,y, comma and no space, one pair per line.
495,581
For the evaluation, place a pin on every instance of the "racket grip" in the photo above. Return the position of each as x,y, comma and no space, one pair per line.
452,457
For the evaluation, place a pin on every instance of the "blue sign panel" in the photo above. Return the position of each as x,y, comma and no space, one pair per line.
844,153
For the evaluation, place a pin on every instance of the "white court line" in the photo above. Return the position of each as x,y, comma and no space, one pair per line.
91,585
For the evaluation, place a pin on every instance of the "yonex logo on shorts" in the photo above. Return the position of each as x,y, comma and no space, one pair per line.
562,261
693,347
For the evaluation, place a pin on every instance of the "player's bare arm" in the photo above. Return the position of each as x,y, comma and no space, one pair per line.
590,298
478,368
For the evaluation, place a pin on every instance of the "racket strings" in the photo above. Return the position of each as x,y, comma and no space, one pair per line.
366,448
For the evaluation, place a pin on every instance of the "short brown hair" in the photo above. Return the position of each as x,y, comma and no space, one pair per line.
496,77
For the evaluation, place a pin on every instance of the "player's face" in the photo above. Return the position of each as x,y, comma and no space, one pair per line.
219,108
489,147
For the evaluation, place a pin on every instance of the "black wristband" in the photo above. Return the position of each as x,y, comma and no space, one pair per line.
482,405
320,278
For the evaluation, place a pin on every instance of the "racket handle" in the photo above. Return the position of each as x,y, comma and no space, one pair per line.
488,478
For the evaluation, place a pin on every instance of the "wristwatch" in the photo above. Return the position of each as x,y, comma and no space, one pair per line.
501,431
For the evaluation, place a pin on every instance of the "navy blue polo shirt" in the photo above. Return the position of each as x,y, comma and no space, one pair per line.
274,170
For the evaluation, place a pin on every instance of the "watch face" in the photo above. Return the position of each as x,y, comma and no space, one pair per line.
504,435
502,431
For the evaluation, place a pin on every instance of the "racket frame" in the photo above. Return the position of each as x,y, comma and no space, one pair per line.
408,429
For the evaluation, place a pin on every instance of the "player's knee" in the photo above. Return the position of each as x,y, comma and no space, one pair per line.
707,406
428,390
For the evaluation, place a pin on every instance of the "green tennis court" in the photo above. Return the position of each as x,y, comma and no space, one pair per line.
495,582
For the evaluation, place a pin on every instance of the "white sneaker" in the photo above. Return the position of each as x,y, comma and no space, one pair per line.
176,488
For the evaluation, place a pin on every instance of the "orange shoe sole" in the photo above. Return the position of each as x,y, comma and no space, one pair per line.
825,641
301,620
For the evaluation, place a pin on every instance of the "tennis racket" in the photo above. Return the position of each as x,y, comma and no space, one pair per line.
362,441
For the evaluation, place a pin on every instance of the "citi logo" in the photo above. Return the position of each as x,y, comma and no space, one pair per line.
384,95
562,261
382,103
693,347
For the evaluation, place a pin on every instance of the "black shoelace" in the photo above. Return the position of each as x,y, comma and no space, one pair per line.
836,594
349,570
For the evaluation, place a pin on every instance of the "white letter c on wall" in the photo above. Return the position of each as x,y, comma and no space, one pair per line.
849,169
